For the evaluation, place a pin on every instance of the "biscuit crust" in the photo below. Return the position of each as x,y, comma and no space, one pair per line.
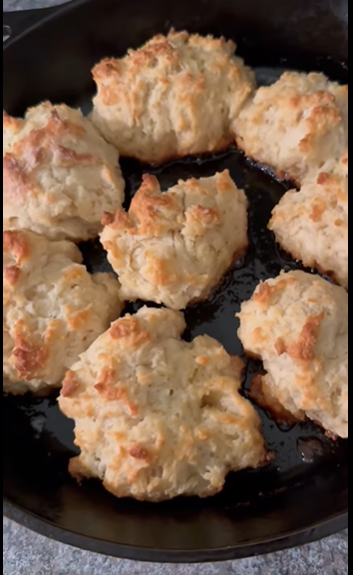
157,417
173,248
312,225
297,324
175,96
53,309
59,175
296,125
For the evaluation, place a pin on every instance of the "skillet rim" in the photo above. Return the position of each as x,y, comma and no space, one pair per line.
309,534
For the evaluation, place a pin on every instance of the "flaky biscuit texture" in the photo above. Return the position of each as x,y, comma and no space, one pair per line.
174,247
157,417
59,174
312,225
297,324
53,309
296,125
175,96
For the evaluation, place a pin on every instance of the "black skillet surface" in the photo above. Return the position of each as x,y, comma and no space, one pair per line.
303,494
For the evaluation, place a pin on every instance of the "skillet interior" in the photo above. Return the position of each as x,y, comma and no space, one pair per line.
291,501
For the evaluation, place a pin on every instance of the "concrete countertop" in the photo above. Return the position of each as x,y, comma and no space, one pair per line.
26,553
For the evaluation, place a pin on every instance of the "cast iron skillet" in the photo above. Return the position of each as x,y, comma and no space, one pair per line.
303,495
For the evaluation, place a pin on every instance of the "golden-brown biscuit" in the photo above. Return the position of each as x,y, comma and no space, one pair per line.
297,324
53,309
157,417
59,174
175,96
312,225
296,125
174,247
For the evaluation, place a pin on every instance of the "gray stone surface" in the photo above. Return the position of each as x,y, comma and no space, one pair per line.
26,553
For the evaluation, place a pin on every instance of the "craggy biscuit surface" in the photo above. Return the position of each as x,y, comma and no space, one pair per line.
312,225
296,125
157,417
297,324
174,247
53,309
175,96
59,175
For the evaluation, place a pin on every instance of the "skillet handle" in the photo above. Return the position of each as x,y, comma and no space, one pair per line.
15,23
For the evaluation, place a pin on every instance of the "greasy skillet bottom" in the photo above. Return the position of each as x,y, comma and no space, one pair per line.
306,467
